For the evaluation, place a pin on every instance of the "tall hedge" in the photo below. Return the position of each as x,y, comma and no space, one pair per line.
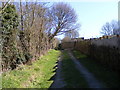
9,23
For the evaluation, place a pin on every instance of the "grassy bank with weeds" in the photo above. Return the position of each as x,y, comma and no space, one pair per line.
72,76
36,75
109,78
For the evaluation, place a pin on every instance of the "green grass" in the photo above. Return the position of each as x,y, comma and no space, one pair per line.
109,78
72,76
36,75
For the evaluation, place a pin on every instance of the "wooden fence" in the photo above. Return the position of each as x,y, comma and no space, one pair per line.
105,50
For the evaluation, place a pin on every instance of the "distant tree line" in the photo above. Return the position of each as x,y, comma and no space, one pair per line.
28,30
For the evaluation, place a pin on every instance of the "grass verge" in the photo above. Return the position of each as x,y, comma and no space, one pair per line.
109,78
72,76
36,75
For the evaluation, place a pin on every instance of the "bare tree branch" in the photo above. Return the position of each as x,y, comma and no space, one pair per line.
62,18
111,28
4,6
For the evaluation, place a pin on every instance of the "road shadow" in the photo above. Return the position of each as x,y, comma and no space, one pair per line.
53,77
57,77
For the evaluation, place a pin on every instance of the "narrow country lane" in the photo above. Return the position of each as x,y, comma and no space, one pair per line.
89,77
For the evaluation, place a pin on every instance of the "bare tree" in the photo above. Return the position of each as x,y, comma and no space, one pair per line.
72,34
115,26
32,25
62,18
111,28
66,39
21,11
4,5
56,42
107,29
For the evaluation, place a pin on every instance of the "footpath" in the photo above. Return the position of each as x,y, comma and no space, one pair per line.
89,77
